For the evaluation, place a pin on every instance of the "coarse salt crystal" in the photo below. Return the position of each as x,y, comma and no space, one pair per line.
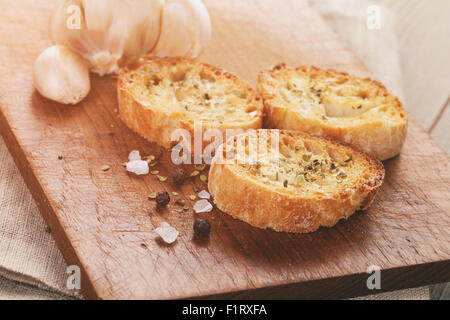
203,206
168,233
138,167
134,156
204,195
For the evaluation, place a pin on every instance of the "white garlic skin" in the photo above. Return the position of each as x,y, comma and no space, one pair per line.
61,75
185,29
107,33
144,26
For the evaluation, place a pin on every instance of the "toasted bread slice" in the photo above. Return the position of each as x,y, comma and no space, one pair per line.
158,96
359,112
305,183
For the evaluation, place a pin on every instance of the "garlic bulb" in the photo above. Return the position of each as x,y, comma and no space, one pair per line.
62,75
185,29
107,33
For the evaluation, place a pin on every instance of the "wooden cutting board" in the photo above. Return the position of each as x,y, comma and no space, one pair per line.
103,221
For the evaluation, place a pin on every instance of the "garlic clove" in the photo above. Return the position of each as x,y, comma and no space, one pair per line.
203,29
61,75
107,33
101,14
144,19
104,35
177,32
185,29
95,29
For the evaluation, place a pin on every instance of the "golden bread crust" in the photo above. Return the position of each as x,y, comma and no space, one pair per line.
355,111
160,95
276,205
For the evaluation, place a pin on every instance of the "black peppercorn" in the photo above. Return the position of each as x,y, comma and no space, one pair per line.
179,176
202,228
162,198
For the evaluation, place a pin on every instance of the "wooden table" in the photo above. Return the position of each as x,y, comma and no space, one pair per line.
397,233
425,61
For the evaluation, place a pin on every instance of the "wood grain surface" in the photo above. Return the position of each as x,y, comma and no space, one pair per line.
103,221
422,31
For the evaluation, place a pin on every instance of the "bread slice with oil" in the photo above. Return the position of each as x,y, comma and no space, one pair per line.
158,96
359,112
304,183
